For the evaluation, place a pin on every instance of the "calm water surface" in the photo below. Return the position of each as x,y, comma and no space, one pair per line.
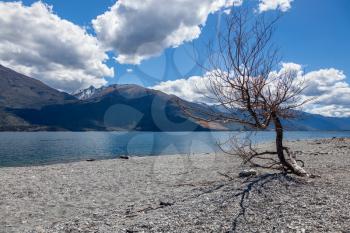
36,148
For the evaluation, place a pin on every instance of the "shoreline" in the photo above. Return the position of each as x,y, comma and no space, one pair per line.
116,157
179,193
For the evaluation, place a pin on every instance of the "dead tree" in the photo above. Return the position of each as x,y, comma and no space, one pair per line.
243,81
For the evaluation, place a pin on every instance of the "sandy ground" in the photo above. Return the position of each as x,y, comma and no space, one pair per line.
180,194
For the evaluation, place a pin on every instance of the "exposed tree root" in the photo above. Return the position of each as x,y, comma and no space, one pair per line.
293,164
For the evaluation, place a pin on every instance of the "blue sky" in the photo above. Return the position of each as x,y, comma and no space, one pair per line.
312,33
316,33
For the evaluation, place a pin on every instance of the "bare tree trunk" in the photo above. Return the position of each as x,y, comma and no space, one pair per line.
290,163
279,141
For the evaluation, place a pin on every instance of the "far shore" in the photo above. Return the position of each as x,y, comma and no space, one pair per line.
196,193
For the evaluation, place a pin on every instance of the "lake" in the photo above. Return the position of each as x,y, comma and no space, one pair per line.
37,148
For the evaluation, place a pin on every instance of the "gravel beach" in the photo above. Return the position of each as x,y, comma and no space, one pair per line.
197,193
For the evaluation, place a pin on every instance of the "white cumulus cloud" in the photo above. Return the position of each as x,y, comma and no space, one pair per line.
140,29
331,90
328,87
193,89
283,5
37,42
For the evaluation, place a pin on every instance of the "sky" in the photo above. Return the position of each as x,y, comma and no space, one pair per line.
71,45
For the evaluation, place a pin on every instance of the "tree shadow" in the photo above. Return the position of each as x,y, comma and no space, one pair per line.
258,184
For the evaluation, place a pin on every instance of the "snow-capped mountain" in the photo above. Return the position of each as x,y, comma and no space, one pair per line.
87,93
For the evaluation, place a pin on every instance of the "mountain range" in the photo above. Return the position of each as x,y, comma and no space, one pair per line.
27,104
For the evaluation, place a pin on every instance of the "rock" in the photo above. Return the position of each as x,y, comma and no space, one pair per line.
123,157
129,231
247,173
163,203
91,160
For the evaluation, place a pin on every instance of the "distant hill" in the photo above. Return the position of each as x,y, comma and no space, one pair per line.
27,104
20,91
312,122
117,107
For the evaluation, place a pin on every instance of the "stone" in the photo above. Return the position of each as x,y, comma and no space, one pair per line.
247,173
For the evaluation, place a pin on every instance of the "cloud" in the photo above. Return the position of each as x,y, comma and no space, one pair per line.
193,89
38,43
332,92
140,29
266,5
328,86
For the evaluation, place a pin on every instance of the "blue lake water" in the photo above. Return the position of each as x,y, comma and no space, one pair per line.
36,148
